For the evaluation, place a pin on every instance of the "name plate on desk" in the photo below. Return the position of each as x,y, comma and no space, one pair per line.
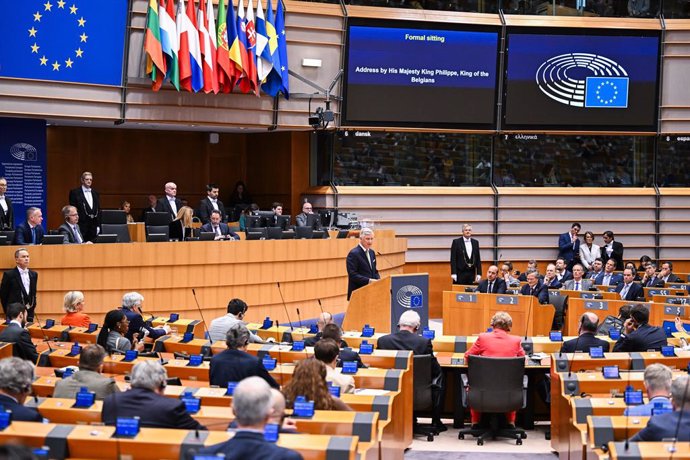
677,300
678,286
507,299
596,305
653,292
674,310
554,292
471,298
590,295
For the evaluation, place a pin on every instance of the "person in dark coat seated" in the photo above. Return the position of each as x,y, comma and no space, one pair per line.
16,377
589,322
235,364
333,331
535,288
252,405
14,333
492,284
146,400
638,335
665,426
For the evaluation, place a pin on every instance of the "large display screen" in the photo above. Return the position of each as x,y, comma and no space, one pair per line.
409,74
581,80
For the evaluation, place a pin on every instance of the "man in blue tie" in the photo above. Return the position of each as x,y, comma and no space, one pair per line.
361,263
70,229
30,231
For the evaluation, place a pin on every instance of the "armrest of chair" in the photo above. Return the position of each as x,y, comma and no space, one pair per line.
464,385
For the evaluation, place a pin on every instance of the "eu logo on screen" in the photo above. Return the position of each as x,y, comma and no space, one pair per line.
607,92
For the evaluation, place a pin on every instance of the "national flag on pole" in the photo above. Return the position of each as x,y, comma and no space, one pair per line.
244,82
225,81
169,42
250,28
191,77
264,63
237,50
208,45
183,54
155,64
282,49
272,84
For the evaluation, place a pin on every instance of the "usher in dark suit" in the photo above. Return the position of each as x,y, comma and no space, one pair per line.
499,286
89,217
205,209
164,206
7,218
616,254
22,346
23,237
235,365
359,272
583,343
12,290
466,268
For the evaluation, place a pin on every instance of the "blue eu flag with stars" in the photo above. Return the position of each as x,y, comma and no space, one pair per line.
607,92
78,41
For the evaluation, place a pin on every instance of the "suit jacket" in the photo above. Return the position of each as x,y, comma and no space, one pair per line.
235,365
163,206
7,218
137,323
176,231
585,284
12,289
22,234
615,279
224,230
348,354
588,256
567,249
359,272
302,218
567,275
499,286
205,208
89,217
406,340
66,230
20,412
541,292
616,255
22,346
645,338
665,426
154,410
654,282
498,344
249,444
554,283
583,343
634,291
673,278
99,384
459,258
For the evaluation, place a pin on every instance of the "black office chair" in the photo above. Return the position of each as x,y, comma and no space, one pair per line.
423,396
113,216
258,233
121,230
560,305
494,386
9,234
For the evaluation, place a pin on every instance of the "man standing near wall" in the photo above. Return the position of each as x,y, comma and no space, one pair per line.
88,204
465,260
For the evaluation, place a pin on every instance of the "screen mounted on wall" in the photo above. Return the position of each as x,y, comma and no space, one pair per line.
411,74
581,80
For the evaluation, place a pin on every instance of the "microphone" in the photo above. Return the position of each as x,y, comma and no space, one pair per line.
299,318
45,336
627,386
320,307
280,357
572,361
202,316
284,306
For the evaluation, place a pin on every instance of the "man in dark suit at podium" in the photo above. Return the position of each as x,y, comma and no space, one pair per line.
492,284
361,263
465,260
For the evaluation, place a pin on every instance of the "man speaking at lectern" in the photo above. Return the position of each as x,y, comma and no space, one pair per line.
361,263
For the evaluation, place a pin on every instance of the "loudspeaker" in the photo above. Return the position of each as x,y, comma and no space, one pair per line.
213,138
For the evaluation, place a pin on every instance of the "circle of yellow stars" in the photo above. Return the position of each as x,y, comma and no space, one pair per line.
33,32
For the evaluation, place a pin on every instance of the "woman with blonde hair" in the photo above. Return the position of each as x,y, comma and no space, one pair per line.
181,227
73,306
309,380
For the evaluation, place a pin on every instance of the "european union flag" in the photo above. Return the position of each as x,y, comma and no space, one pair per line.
64,40
416,301
607,92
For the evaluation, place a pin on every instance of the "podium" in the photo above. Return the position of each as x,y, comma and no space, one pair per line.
380,304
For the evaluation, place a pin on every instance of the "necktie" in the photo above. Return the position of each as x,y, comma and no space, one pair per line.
577,285
624,291
369,258
218,231
607,279
33,235
491,287
77,236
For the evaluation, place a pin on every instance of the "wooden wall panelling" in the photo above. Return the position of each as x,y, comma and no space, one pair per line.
674,234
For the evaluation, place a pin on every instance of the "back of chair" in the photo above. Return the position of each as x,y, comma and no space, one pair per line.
274,233
560,304
495,383
158,229
158,218
9,234
121,230
422,379
304,232
113,216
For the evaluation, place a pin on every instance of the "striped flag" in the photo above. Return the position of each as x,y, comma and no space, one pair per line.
250,29
244,82
272,84
264,63
155,64
191,73
225,79
282,49
171,46
207,40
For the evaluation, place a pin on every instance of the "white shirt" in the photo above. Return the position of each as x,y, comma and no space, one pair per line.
609,249
88,196
171,200
366,251
214,203
3,203
24,273
468,246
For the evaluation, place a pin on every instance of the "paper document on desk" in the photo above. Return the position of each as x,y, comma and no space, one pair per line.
371,392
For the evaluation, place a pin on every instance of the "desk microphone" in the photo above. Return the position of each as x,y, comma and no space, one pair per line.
529,312
320,307
570,367
627,386
299,318
202,316
284,306
45,336
280,358
680,417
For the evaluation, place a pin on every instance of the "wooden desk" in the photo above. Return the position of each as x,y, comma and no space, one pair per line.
5,350
111,364
182,326
648,450
634,361
602,308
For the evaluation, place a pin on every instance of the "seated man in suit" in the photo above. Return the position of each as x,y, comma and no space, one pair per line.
551,280
321,322
14,333
667,275
597,269
236,309
531,265
674,424
209,204
408,338
361,263
16,377
535,288
302,219
332,331
657,382
69,229
638,335
145,399
629,290
89,376
235,364
589,322
562,272
492,284
221,230
650,278
498,344
578,283
19,285
252,404
607,277
30,231
327,350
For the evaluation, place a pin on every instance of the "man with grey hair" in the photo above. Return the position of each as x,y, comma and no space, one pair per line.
169,203
235,364
673,424
657,382
132,307
69,229
253,406
361,263
465,260
89,376
146,400
88,204
16,376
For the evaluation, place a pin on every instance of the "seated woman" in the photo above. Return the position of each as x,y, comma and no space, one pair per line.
127,208
247,212
73,306
309,380
326,351
181,227
112,335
